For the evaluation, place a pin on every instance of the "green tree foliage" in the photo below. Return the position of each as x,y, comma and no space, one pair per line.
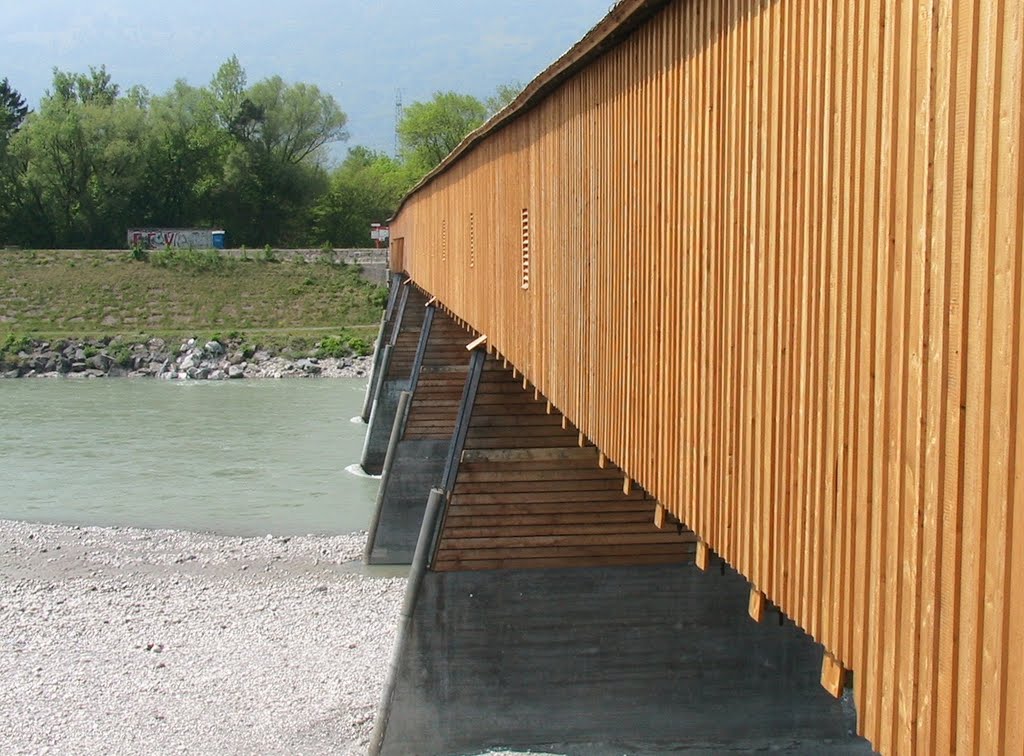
78,169
184,157
96,160
428,131
274,170
503,95
12,111
94,88
364,189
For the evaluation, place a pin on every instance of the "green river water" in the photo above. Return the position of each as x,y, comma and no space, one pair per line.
236,457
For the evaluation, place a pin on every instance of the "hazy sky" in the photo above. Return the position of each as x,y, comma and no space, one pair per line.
360,52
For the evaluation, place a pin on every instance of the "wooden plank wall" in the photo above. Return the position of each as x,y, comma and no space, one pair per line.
528,496
776,275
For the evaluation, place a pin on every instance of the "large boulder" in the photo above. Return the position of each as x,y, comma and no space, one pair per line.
99,362
308,366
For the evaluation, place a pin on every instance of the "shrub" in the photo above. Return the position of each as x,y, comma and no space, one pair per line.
121,353
268,255
10,347
343,345
14,344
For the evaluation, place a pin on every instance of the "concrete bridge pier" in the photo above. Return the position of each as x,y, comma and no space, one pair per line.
395,281
391,376
546,611
420,439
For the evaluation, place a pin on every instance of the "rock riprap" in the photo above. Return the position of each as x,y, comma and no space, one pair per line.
192,359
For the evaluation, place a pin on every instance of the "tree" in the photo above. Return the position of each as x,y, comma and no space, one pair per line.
503,95
95,160
78,165
429,131
96,87
228,90
274,169
365,188
293,121
186,150
13,111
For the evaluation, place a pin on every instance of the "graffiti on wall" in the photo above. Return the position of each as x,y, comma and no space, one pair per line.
159,238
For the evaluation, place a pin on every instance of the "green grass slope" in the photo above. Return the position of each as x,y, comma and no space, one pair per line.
52,294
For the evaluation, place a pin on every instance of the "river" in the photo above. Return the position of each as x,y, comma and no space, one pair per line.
235,457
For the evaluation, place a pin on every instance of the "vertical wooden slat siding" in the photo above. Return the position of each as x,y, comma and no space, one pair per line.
776,276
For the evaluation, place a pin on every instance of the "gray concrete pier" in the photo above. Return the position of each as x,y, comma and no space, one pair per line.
612,660
391,376
420,441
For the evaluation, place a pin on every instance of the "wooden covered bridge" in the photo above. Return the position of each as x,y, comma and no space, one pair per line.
741,282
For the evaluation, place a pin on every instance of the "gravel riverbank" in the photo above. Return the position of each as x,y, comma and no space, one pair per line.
156,642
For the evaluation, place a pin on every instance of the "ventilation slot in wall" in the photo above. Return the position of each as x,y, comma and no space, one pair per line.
472,241
526,248
444,241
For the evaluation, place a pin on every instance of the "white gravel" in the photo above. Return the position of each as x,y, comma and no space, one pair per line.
158,642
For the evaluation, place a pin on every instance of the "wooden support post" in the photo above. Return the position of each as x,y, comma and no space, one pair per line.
526,383
536,394
582,440
550,408
659,515
833,675
602,460
703,555
515,373
756,606
627,485
565,423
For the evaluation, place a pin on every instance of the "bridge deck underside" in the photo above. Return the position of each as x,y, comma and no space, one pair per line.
528,495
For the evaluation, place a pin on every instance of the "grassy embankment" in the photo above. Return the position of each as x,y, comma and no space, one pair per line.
281,306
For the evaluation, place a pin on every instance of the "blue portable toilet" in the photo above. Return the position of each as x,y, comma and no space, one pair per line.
218,240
